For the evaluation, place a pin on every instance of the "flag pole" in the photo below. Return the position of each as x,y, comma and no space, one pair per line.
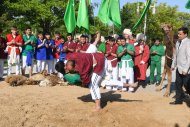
145,21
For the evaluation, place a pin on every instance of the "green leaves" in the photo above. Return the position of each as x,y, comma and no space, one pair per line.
164,14
188,4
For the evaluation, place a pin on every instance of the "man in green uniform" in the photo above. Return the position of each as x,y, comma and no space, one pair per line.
28,50
73,78
101,47
156,53
126,52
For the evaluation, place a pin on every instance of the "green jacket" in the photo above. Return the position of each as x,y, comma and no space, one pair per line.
126,56
160,52
29,46
73,79
102,47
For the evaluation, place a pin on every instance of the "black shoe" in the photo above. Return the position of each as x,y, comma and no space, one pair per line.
1,79
176,103
142,83
186,98
150,83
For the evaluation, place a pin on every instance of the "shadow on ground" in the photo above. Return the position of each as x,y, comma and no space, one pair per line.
107,97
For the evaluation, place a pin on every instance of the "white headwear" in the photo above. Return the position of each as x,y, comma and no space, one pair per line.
102,39
115,36
127,31
140,36
77,35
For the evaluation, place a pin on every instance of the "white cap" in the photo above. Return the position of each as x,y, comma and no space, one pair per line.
115,36
102,39
140,36
77,35
127,31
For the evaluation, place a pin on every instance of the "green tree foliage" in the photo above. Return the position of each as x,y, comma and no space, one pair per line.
47,15
164,14
41,15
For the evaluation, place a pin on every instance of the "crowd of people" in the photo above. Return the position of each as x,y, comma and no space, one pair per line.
120,60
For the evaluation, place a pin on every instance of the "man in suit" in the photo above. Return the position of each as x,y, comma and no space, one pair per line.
181,62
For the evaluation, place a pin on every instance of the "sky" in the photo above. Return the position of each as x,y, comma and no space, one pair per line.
179,3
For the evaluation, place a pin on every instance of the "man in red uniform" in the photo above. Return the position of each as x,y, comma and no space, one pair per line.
82,46
70,45
3,55
14,43
57,41
142,54
112,61
90,67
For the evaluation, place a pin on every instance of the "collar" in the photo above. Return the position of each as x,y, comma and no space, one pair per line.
184,39
15,35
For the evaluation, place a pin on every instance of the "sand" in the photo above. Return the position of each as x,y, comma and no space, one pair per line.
71,106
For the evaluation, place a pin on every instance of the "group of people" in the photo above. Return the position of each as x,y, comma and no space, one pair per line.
120,60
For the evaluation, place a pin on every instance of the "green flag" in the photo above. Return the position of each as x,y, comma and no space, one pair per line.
142,15
103,11
188,4
89,2
69,17
114,12
83,19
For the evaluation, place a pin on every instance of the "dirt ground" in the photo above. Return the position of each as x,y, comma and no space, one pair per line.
71,106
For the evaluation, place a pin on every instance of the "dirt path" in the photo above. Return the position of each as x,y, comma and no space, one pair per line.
70,106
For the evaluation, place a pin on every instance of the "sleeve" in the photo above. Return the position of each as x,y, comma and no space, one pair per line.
72,56
161,51
24,38
73,79
7,38
74,46
77,46
20,39
65,44
151,49
136,52
52,43
131,48
59,46
35,40
119,50
102,48
174,58
4,43
146,54
187,67
115,50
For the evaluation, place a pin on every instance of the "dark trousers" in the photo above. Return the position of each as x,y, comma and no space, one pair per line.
180,81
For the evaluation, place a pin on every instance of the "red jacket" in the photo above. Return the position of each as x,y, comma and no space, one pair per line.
71,45
18,39
112,49
84,65
82,47
140,69
57,43
3,46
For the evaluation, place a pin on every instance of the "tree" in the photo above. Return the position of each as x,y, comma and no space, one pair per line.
45,15
164,14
